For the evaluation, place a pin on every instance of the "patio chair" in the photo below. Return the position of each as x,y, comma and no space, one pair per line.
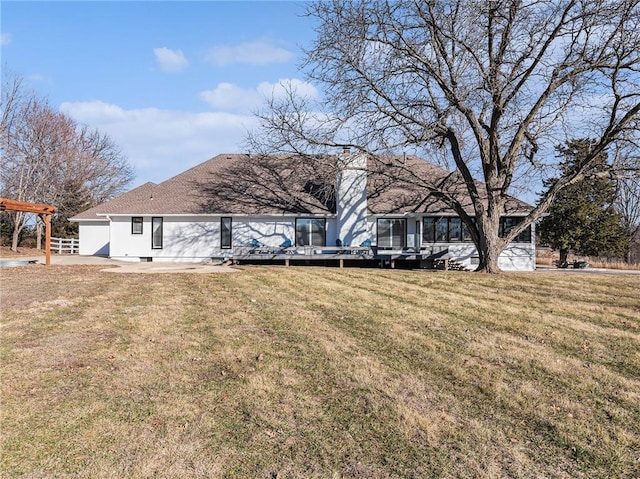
286,247
255,244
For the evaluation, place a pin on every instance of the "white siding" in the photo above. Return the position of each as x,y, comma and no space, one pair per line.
518,257
351,200
184,239
197,239
271,231
515,257
94,238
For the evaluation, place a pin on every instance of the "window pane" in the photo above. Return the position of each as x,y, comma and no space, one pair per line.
156,233
310,232
391,233
397,233
136,225
384,234
455,229
442,227
466,235
317,232
225,233
302,232
506,224
428,230
525,236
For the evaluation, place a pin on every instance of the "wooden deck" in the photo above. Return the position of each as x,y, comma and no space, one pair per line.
319,254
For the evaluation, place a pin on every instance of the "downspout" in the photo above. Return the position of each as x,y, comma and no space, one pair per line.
109,219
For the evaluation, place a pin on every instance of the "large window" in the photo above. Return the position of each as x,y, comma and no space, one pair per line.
156,233
391,233
466,234
508,222
455,229
451,229
428,230
136,225
225,233
444,229
310,232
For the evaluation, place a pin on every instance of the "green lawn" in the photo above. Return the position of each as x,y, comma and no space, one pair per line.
319,372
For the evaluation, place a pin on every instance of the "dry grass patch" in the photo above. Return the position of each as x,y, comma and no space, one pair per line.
314,372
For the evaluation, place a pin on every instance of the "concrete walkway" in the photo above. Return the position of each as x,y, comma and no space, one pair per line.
115,266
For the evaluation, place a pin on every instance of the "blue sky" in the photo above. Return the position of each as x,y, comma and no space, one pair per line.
173,83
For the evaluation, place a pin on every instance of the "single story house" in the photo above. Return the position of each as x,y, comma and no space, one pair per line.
250,207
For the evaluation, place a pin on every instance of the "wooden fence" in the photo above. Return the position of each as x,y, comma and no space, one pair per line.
65,245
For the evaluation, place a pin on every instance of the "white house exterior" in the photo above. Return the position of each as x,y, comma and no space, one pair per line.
95,237
351,201
238,206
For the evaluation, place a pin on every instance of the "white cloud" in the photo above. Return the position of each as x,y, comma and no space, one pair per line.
5,39
230,97
36,77
170,61
260,52
162,143
281,88
227,96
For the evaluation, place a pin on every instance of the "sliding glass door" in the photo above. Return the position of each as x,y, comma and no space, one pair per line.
310,232
392,233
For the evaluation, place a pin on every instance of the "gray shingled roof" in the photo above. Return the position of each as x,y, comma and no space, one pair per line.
125,202
244,184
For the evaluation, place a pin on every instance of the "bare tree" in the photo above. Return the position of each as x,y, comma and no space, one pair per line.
627,201
34,144
95,171
46,158
490,87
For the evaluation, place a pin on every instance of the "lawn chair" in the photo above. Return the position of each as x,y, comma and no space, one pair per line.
255,244
285,247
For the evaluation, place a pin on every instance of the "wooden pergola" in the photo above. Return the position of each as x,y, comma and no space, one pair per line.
44,211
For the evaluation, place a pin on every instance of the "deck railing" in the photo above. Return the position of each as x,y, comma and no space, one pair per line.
305,251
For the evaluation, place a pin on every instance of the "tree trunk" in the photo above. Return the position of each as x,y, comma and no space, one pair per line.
490,247
39,235
17,227
14,239
564,254
489,254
